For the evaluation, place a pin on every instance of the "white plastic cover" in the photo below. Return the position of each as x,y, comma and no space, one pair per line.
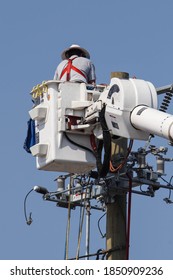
54,151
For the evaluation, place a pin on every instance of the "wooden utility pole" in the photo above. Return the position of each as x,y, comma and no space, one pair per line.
116,209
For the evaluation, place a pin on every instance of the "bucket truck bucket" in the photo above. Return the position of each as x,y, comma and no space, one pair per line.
57,148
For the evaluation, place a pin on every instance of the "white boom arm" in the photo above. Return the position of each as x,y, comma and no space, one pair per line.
152,121
67,117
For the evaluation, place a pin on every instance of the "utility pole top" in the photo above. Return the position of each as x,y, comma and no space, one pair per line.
120,75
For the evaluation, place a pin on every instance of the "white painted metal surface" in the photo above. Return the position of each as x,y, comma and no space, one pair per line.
53,151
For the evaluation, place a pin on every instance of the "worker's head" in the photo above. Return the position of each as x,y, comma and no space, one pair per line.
74,50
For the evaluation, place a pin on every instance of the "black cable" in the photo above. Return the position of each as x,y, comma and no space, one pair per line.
28,221
166,181
102,167
121,165
78,145
81,221
99,225
102,252
171,185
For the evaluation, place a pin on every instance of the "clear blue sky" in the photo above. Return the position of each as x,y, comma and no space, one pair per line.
132,36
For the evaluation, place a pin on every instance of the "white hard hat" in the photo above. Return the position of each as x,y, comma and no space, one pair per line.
64,56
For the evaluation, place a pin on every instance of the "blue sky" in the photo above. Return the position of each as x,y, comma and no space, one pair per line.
132,36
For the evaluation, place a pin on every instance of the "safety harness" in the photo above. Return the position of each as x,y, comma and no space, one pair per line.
70,67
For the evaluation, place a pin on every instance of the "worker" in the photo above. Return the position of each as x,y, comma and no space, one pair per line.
76,66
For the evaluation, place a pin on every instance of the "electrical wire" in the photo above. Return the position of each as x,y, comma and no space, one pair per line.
103,168
171,185
102,252
80,221
168,184
129,216
80,231
120,166
68,225
78,145
99,225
